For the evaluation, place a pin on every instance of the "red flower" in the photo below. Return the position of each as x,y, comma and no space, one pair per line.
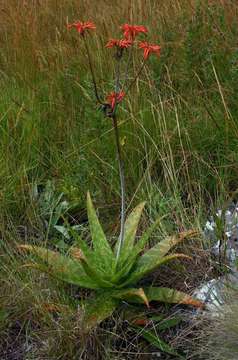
149,48
130,31
113,98
122,44
82,26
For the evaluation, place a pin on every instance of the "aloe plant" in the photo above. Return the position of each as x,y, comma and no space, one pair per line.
113,279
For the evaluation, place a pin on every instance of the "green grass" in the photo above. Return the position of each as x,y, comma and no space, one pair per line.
178,125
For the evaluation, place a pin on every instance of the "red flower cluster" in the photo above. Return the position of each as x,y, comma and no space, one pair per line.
113,98
123,43
149,49
82,26
131,31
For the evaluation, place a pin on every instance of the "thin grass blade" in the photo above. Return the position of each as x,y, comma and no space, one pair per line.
154,340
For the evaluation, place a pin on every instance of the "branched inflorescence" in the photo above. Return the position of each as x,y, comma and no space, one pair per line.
127,43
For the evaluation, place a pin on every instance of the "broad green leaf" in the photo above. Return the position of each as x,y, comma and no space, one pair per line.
61,267
153,257
93,273
91,258
61,208
131,226
145,237
154,340
88,253
126,294
147,265
132,255
170,296
164,246
98,309
101,246
122,274
64,231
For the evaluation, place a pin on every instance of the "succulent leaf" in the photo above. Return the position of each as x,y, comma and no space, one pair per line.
171,296
127,294
61,266
148,265
101,246
98,309
131,226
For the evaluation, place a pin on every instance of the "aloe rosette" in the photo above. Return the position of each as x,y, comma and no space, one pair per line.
113,279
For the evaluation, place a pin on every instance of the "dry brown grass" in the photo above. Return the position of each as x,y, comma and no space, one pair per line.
34,36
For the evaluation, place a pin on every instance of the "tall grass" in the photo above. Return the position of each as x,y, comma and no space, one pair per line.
178,128
182,122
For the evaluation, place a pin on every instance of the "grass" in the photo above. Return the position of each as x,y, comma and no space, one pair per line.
178,128
218,339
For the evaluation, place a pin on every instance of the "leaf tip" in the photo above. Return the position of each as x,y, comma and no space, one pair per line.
143,296
77,254
24,247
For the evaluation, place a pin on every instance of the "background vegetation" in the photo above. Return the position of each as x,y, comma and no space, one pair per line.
178,128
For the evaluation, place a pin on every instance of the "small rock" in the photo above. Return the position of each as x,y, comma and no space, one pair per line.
213,292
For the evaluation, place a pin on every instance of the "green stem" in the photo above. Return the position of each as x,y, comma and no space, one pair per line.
123,188
119,155
92,72
120,161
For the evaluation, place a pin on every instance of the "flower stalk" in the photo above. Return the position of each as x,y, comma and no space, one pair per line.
109,107
119,156
92,71
122,186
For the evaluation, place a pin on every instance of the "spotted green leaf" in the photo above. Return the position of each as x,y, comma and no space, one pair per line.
131,226
127,294
170,296
98,309
145,267
165,245
133,255
61,267
101,246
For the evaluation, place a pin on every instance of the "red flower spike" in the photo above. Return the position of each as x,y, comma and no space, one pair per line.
131,31
81,27
113,98
149,49
122,44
